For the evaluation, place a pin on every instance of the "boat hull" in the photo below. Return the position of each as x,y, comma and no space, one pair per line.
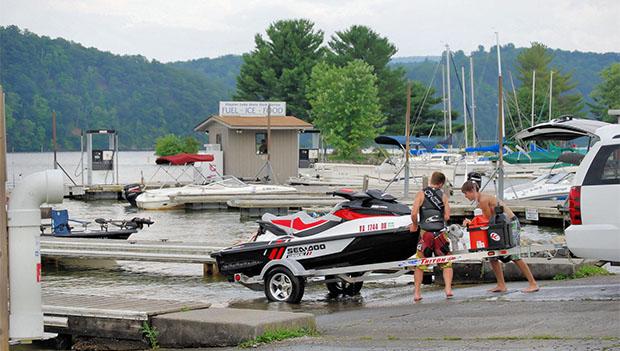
315,253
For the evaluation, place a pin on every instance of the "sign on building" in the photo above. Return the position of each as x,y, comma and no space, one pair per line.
252,108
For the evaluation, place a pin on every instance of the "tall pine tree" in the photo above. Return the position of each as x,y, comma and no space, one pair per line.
279,67
606,95
362,43
563,101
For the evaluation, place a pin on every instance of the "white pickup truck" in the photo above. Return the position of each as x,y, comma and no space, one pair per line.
594,198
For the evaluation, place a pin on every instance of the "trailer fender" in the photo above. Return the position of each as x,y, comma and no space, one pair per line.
295,267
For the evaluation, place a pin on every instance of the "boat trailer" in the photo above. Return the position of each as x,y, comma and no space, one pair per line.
284,279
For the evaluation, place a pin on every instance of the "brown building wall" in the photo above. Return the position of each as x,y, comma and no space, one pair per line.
241,160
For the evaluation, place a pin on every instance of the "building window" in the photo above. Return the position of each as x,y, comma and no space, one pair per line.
261,143
218,139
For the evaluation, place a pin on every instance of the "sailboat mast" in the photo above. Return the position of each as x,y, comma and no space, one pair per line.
464,105
443,99
550,93
473,102
500,125
407,146
533,94
448,90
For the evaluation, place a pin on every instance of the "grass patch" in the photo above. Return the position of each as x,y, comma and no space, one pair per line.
610,338
452,338
392,337
590,271
583,272
151,334
366,338
277,335
546,337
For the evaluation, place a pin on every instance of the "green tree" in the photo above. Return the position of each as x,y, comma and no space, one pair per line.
362,43
538,58
606,95
346,106
280,65
424,117
172,144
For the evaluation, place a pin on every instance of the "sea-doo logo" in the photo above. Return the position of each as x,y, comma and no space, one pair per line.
495,236
304,250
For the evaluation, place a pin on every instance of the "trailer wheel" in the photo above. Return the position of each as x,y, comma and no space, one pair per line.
343,288
282,286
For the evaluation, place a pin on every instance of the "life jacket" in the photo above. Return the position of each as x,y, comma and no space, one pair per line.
432,210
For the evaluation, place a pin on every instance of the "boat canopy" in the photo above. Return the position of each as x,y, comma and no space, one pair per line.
563,128
183,159
400,140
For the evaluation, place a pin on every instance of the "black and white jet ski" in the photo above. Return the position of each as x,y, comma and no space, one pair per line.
369,227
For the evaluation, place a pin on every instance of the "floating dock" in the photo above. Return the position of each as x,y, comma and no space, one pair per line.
130,250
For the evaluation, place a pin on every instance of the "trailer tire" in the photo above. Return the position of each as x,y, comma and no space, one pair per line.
343,288
282,286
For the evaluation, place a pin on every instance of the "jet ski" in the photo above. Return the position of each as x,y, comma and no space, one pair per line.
368,227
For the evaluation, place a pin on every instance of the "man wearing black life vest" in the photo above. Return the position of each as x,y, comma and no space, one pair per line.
431,204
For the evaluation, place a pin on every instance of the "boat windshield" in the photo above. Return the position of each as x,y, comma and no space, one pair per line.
227,182
558,178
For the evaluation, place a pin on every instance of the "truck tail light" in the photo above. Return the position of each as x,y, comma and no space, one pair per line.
574,205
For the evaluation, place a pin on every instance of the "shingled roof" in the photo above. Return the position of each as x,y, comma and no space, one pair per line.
240,122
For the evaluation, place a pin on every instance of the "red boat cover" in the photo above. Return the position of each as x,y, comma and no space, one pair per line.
183,159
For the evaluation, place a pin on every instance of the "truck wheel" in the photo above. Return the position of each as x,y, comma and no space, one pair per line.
341,287
282,286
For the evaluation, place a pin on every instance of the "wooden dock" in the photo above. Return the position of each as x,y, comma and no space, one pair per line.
548,212
130,250
221,202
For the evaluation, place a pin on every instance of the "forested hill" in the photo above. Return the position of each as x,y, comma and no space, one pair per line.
144,99
92,89
585,68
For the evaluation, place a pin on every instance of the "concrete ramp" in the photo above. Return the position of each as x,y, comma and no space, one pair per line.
223,326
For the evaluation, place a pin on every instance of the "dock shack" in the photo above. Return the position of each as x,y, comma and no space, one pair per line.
241,128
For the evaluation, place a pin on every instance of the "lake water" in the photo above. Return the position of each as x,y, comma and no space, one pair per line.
180,281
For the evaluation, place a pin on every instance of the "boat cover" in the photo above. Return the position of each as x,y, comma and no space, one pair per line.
183,159
400,140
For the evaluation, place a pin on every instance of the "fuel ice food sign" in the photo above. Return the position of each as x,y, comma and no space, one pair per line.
252,108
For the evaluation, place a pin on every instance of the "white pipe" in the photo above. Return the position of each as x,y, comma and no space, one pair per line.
24,221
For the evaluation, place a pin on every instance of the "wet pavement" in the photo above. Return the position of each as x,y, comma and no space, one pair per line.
564,315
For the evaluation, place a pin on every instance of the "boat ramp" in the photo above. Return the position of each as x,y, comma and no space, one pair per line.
179,324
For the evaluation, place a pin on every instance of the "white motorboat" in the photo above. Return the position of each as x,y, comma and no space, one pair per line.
550,186
227,186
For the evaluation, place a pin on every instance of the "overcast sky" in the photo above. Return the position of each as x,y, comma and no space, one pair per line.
170,30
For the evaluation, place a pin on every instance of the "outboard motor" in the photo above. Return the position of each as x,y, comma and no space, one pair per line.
131,192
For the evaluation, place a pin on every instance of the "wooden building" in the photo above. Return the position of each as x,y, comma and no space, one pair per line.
244,144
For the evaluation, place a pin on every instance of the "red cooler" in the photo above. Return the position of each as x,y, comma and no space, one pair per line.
478,232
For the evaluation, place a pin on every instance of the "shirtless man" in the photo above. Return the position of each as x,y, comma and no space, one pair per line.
432,221
487,204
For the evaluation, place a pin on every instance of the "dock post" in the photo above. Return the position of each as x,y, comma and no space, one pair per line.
210,269
365,183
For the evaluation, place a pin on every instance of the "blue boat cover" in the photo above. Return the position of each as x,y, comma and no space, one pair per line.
400,140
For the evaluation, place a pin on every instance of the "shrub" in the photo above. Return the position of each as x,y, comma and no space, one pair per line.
172,144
